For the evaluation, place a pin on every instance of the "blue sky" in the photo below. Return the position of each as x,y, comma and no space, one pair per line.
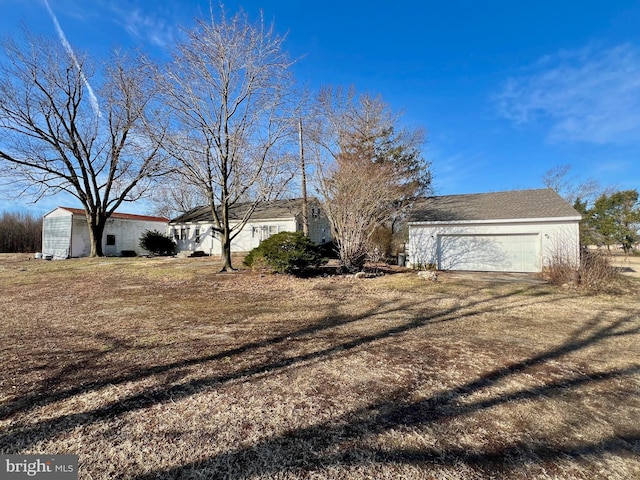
506,90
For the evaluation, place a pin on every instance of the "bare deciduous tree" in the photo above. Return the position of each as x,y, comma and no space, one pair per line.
371,170
558,179
227,90
55,136
173,196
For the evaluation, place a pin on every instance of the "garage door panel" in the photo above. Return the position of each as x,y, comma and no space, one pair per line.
512,253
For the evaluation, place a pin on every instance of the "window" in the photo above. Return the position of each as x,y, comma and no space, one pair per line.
174,234
265,231
111,240
197,233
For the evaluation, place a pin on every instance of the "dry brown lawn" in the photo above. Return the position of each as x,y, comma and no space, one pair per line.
163,368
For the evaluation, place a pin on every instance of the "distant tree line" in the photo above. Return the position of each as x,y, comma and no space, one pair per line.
20,233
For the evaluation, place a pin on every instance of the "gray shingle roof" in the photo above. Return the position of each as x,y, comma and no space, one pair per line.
541,203
287,208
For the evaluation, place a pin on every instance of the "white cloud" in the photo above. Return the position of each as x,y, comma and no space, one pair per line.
147,22
145,25
588,95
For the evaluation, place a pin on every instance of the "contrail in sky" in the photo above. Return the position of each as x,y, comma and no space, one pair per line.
67,46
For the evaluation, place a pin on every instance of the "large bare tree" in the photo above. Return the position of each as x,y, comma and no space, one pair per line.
228,90
560,180
371,170
56,135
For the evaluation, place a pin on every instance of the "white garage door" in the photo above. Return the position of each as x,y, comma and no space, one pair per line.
489,253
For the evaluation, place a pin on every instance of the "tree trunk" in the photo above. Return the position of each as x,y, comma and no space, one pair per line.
225,241
96,231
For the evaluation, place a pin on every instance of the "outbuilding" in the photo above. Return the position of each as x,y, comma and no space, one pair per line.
514,231
65,233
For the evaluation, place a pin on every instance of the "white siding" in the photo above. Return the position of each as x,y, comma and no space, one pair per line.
510,244
56,234
66,234
127,234
80,244
256,231
209,242
319,225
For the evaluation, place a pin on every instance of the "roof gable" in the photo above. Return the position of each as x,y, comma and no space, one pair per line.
515,204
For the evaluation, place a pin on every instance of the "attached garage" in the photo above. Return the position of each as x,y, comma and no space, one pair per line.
516,231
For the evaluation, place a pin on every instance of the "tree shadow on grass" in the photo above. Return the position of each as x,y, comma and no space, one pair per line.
21,436
320,442
45,397
339,442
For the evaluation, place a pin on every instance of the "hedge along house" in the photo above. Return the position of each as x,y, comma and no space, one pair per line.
515,231
65,233
193,231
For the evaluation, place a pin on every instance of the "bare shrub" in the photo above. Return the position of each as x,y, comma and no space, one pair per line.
564,265
596,271
560,270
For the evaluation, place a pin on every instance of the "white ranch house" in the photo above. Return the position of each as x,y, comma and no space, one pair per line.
65,233
515,231
193,231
